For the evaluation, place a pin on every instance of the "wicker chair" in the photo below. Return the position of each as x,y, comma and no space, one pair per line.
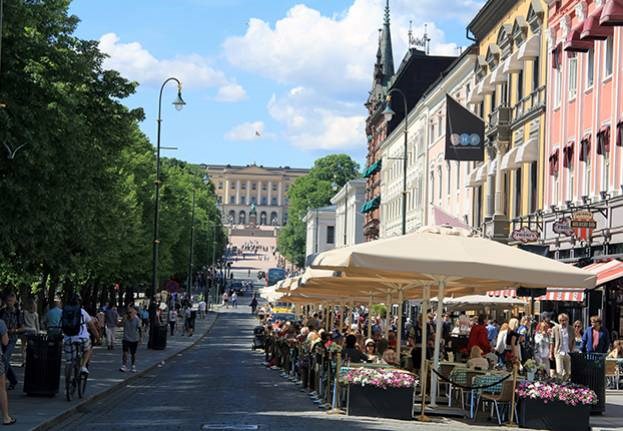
613,372
504,397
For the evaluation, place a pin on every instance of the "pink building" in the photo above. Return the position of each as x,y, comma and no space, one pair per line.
584,100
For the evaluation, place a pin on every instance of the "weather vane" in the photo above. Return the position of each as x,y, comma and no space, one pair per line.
422,42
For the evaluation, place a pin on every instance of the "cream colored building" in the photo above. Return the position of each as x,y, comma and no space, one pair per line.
239,187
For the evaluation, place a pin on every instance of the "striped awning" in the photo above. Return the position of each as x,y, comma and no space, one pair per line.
552,294
606,271
373,168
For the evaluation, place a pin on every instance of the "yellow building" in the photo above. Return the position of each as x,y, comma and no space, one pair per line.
238,188
509,94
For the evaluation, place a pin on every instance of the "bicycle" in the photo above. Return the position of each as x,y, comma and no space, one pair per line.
75,379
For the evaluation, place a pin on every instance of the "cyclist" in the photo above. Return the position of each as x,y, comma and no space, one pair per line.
76,323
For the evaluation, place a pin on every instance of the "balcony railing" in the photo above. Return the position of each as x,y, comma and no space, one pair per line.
533,102
499,124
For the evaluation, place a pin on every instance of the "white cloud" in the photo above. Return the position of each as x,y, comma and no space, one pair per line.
246,131
328,62
135,62
313,122
231,93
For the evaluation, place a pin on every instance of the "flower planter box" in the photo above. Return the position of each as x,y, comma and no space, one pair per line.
554,415
394,403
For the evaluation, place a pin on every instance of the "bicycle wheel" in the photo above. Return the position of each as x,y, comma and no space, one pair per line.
70,382
82,383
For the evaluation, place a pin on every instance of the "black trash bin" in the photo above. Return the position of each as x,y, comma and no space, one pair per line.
589,369
43,364
157,337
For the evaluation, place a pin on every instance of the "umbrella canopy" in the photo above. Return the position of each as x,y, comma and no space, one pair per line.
480,301
270,293
454,258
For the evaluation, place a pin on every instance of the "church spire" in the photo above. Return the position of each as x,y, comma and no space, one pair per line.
387,56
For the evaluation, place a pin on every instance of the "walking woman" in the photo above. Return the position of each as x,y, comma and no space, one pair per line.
4,398
172,320
579,331
542,346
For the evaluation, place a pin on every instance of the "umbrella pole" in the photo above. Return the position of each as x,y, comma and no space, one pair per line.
342,309
438,327
423,345
388,309
331,310
399,326
370,317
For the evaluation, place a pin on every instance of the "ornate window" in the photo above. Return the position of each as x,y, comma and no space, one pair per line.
505,41
535,16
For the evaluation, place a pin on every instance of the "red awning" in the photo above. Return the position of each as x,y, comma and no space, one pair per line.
612,13
585,147
574,43
592,30
567,159
552,294
606,271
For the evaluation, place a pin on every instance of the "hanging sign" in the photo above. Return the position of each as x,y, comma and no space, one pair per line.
583,223
465,133
524,234
562,226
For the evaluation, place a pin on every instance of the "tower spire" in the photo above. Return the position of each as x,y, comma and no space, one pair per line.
386,47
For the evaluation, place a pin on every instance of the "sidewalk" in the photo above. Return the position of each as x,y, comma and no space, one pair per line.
612,419
39,412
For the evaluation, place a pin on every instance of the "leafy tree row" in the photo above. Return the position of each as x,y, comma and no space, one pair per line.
312,191
77,175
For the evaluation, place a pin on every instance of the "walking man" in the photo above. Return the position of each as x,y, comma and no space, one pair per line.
14,321
234,300
132,335
564,344
112,318
595,338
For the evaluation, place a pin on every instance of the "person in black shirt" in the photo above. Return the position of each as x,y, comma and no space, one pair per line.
350,352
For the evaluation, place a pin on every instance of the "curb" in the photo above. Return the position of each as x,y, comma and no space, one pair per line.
96,397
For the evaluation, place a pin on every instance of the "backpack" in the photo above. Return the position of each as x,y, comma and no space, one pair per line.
71,320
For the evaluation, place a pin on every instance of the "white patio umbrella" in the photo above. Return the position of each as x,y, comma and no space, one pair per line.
480,301
447,258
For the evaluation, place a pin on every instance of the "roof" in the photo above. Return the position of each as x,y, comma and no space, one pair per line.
489,17
272,169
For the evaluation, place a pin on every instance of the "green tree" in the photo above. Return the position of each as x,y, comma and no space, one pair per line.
312,191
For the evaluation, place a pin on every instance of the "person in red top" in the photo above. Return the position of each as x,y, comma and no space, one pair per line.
478,336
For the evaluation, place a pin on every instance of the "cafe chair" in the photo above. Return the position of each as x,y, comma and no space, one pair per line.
613,373
502,398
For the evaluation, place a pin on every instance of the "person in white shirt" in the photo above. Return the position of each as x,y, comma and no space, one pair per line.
82,340
202,309
563,345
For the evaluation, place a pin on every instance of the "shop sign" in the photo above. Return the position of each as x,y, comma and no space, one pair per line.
583,223
563,226
524,234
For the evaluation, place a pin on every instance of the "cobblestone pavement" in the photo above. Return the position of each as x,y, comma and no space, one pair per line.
220,384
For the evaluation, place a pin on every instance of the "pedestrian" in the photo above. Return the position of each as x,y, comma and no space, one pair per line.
145,317
4,398
492,333
234,300
52,318
202,306
513,351
500,344
12,317
253,304
112,319
542,346
579,331
189,324
478,336
172,320
225,300
595,338
563,344
132,335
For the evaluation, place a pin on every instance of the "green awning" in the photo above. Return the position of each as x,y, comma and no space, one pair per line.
370,205
370,170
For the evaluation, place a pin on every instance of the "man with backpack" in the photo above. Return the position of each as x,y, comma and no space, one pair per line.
76,323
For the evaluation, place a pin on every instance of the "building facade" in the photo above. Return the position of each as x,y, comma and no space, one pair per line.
348,216
509,95
238,188
320,231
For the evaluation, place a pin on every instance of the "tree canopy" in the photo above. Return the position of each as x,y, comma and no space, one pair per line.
77,197
312,191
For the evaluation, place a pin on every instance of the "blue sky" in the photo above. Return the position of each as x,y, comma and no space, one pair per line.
297,73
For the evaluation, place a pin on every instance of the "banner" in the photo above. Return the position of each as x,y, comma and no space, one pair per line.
465,133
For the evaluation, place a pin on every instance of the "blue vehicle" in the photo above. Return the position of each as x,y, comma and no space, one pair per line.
274,275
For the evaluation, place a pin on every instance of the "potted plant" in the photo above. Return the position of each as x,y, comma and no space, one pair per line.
554,405
531,368
379,392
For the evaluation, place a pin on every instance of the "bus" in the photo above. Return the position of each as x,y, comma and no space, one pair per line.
273,275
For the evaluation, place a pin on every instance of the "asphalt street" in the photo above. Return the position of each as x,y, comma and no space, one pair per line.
220,384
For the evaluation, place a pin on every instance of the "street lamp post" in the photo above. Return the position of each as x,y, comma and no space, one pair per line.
389,114
179,104
190,251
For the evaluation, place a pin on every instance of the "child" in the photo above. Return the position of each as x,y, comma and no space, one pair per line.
132,335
